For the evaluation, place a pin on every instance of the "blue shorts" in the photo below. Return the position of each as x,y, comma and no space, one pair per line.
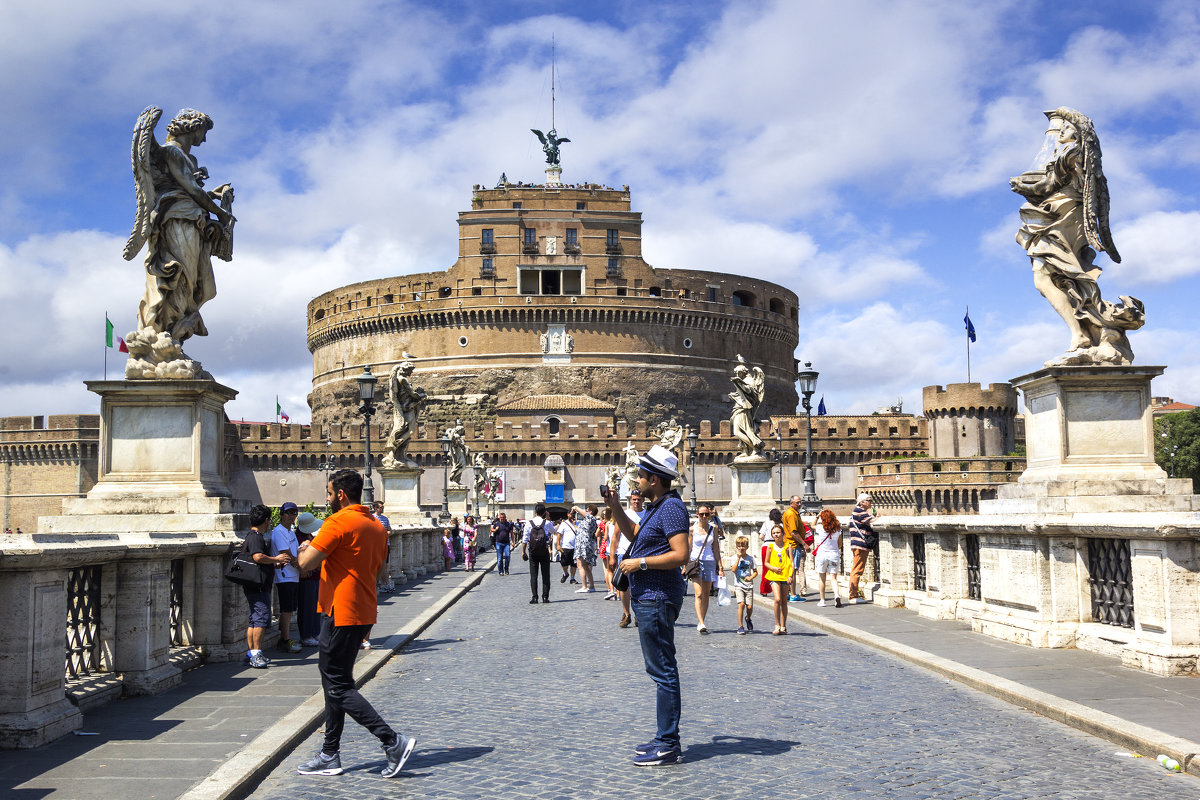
260,606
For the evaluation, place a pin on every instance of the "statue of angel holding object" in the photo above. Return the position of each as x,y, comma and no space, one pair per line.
182,225
747,396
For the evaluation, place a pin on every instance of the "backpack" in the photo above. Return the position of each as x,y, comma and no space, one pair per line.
539,542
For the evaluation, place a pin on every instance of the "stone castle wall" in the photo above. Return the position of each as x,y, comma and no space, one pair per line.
967,420
44,460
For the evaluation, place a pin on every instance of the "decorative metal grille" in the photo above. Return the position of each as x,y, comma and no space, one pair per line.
83,620
177,601
918,548
1111,578
974,588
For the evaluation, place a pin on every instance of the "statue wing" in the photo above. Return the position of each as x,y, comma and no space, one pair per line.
563,141
144,155
1095,198
541,136
758,382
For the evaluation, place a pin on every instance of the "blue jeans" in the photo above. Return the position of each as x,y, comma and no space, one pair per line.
503,554
656,630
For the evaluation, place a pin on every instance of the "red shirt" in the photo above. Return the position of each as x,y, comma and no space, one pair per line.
354,544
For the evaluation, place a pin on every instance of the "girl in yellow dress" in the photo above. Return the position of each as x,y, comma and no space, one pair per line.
777,566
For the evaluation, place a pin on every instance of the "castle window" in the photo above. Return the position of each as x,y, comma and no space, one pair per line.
831,473
655,291
742,299
580,205
516,205
622,291
487,269
319,314
712,294
486,236
777,306
687,344
552,425
893,431
612,237
572,236
551,281
614,267
851,431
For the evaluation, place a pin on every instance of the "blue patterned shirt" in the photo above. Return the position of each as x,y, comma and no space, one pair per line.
660,521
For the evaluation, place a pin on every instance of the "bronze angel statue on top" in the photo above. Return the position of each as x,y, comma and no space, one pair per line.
550,142
182,225
1064,224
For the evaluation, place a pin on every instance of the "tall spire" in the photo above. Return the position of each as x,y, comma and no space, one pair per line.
551,140
553,69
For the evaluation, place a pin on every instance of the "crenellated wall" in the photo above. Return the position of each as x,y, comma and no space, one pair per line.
42,461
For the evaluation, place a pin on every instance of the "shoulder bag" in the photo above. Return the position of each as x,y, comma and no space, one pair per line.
244,571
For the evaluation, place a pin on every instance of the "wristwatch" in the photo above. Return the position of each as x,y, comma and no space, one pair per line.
643,566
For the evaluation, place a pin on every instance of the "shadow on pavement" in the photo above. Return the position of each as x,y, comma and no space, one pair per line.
736,745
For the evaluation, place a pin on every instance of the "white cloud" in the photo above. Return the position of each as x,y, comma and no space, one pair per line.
1158,247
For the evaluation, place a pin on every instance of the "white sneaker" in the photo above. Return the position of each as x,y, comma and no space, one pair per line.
582,591
821,604
701,628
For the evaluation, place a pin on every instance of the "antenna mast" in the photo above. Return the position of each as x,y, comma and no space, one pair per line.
553,67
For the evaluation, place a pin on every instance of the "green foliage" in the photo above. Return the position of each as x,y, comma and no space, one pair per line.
1178,435
899,458
1017,452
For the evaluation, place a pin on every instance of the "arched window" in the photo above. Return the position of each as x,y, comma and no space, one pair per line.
552,425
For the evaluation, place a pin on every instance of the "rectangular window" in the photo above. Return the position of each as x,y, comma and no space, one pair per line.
580,205
614,265
612,237
893,431
572,281
851,431
531,236
831,473
530,281
486,235
712,294
872,431
572,236
487,268
516,205
832,432
550,282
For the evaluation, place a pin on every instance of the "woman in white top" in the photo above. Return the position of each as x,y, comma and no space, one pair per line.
706,548
827,552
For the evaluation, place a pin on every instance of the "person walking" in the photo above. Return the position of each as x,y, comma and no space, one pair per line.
794,531
603,534
862,542
469,546
777,564
705,550
308,621
349,548
564,545
585,546
502,541
287,576
535,548
828,554
448,548
384,583
744,573
258,598
659,548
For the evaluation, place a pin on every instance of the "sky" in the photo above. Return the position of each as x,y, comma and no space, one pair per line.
856,152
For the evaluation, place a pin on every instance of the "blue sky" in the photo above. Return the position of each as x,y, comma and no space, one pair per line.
855,152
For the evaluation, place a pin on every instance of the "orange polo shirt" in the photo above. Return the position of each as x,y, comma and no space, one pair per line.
354,544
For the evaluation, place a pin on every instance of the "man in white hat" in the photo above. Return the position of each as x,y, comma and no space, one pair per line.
656,586
860,546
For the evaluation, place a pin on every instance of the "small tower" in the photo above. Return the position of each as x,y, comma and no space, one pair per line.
966,420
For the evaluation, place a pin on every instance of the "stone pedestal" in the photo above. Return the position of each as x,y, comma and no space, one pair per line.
554,175
753,490
161,438
402,495
457,499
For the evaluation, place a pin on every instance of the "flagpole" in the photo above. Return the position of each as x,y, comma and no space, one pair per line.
106,344
968,349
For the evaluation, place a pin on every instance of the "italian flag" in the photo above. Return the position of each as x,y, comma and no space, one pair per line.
108,336
279,412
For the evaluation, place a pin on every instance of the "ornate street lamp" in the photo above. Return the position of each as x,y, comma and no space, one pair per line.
366,396
810,504
693,438
444,516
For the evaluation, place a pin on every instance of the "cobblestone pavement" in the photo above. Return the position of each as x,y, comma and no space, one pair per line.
515,700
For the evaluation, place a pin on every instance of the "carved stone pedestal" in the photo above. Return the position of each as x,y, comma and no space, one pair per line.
753,490
402,495
457,496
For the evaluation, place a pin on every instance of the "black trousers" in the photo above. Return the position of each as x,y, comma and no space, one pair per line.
541,565
339,647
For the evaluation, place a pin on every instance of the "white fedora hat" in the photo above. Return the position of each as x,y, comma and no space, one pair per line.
660,461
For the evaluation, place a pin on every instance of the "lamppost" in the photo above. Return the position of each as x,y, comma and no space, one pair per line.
444,516
693,438
366,394
326,466
809,504
779,459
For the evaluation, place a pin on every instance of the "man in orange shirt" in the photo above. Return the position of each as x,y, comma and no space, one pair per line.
350,548
793,529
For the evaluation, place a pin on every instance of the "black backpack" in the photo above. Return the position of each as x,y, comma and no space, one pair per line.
539,542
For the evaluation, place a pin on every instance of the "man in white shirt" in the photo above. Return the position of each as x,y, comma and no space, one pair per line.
564,543
287,578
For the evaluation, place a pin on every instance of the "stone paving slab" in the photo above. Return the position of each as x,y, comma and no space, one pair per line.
511,700
175,744
1151,714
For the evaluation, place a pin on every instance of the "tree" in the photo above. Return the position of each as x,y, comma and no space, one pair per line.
1177,445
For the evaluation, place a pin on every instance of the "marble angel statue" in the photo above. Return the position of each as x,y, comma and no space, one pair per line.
480,473
747,396
631,465
1064,225
182,226
671,435
406,403
459,455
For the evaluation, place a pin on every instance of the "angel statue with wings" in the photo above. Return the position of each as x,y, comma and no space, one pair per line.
1064,224
406,402
459,454
747,396
182,225
550,142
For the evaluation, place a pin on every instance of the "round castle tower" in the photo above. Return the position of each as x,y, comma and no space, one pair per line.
550,296
967,420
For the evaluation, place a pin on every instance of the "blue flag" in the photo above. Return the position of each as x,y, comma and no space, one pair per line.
970,327
821,407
